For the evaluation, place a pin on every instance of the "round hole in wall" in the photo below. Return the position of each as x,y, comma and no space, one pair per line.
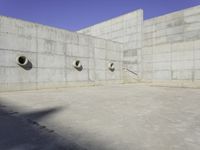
77,64
111,66
22,60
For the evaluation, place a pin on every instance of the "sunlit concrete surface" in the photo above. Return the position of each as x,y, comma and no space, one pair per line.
119,117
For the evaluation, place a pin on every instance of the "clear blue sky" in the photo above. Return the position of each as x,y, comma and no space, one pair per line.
77,14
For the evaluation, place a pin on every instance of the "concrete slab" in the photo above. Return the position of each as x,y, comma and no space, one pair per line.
29,135
118,117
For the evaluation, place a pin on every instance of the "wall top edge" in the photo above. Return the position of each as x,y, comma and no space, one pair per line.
54,28
34,23
172,13
132,12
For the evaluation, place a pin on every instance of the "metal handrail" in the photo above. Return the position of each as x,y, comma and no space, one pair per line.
131,71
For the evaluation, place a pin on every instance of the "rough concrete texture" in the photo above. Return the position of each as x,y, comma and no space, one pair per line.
171,47
120,117
51,53
126,29
162,50
20,133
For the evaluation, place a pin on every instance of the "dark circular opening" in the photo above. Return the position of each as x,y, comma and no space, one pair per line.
77,63
111,67
22,60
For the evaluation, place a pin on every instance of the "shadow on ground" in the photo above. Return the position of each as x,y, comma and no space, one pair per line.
20,132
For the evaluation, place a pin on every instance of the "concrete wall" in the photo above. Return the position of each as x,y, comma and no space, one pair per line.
163,49
52,52
126,29
169,43
171,47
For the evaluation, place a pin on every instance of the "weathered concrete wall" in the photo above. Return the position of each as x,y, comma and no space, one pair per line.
171,47
51,52
126,29
170,44
163,49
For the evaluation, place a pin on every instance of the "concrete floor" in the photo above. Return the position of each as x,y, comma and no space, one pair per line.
119,117
18,133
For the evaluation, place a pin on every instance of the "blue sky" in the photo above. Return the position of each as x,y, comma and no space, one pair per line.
77,14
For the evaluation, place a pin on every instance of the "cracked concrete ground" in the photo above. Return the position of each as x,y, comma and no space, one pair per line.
118,117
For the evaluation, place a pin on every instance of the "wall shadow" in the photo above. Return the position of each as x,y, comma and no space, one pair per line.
28,66
80,68
19,133
112,69
40,114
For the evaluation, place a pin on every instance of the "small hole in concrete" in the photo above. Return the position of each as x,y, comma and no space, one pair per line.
22,60
111,67
77,64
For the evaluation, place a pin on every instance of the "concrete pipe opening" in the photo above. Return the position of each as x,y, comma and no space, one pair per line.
77,64
111,66
22,60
